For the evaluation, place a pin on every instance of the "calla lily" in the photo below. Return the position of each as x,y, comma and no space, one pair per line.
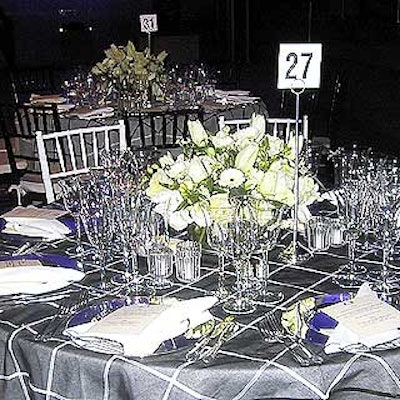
197,133
197,170
246,157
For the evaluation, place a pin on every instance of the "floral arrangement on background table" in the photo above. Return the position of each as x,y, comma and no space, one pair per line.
213,167
131,74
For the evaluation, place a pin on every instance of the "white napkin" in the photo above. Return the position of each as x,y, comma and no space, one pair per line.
47,99
222,93
50,229
36,279
142,329
363,323
96,113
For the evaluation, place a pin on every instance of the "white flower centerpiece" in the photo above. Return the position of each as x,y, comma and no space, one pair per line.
214,167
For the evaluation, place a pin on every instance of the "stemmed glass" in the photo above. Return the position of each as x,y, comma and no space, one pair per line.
268,220
387,207
98,220
71,195
217,239
357,208
241,240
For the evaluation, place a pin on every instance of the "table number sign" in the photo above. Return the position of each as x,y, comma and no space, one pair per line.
299,65
148,23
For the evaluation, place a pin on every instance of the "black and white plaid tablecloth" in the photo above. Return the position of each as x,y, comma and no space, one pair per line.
245,368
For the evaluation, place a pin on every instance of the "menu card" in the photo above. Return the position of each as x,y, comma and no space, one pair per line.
130,320
33,212
370,319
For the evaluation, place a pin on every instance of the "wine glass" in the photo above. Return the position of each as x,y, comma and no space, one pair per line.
71,196
357,206
98,219
268,220
217,239
241,239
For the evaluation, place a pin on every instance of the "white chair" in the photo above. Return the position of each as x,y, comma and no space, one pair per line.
278,127
73,152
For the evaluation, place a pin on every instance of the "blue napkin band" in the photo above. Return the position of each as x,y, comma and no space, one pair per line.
320,320
52,259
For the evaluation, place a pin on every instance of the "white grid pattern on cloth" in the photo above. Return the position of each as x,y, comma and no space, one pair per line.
24,377
166,378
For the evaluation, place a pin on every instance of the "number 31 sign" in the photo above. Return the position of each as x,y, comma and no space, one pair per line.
299,65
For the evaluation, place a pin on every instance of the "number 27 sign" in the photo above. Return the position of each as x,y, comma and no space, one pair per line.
299,65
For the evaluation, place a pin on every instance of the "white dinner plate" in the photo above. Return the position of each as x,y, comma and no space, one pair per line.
36,279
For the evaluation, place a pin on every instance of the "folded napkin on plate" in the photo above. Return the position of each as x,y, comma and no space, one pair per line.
142,329
36,222
47,99
363,322
49,229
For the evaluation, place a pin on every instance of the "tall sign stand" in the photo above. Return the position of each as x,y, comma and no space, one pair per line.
299,68
148,24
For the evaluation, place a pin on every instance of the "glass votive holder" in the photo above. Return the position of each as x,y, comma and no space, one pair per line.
188,261
338,230
160,263
318,234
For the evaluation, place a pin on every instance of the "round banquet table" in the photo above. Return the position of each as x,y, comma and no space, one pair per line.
163,126
245,367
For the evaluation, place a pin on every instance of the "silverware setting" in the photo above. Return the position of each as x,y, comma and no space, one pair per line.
207,348
67,308
272,330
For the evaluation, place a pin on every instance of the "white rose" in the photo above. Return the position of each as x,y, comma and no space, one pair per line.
246,157
198,169
168,201
246,135
200,215
231,178
177,170
197,133
277,186
166,160
222,139
179,220
276,145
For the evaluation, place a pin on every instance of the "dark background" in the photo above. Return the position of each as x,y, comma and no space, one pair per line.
359,96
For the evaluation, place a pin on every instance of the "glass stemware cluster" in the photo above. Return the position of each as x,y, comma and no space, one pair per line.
189,85
370,204
244,227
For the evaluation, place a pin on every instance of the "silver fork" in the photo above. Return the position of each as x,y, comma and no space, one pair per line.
67,308
207,348
271,329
